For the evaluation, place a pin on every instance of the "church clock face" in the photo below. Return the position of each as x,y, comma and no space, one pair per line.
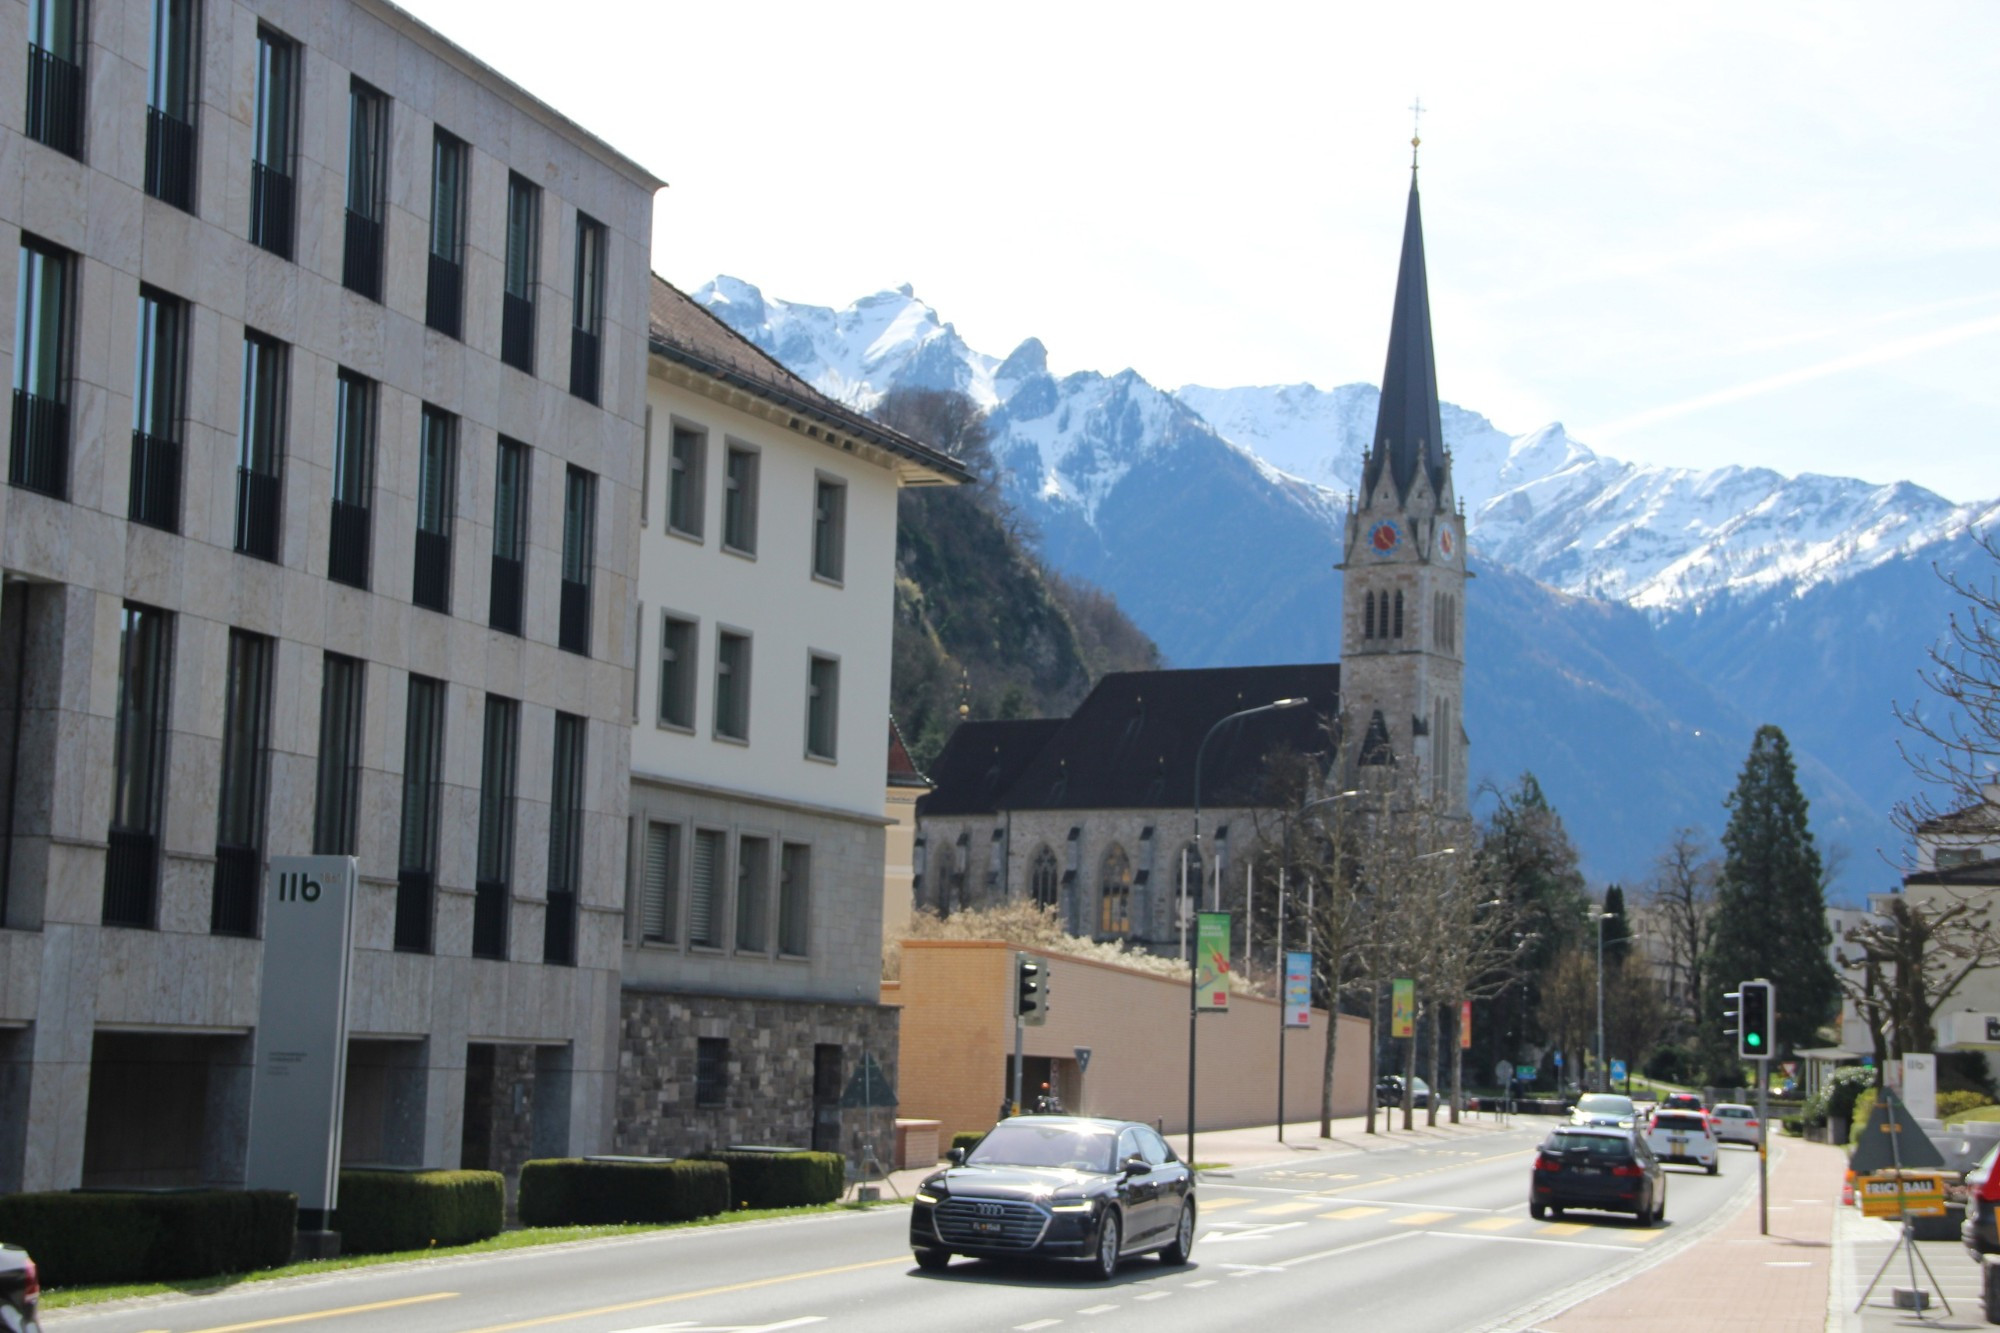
1384,537
1447,542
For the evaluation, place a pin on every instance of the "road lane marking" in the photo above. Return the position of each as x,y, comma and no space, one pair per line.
689,1326
1520,1240
282,1320
1391,1238
1642,1237
1230,1201
1039,1323
1563,1229
1098,1309
1351,1214
596,1312
1204,1282
1494,1223
1153,1296
1422,1219
1295,1206
1407,1203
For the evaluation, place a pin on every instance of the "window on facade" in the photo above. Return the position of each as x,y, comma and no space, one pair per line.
55,74
171,97
686,462
1368,616
353,479
416,858
1397,632
367,188
1044,879
586,333
565,840
39,459
829,529
444,292
711,1071
493,889
1952,858
260,446
753,894
239,814
579,546
517,304
274,143
161,360
822,706
795,900
437,451
337,801
132,860
1114,895
732,685
739,500
510,536
704,882
677,671
1190,867
660,884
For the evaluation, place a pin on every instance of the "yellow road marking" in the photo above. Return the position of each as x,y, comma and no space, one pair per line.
1295,1206
1562,1229
1231,1201
329,1314
1350,1214
1495,1224
1423,1219
596,1311
1641,1237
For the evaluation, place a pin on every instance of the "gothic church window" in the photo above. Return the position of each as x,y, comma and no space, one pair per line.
1043,878
1368,618
1114,894
1399,617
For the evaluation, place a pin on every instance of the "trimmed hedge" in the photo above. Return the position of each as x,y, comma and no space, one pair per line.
382,1212
117,1237
571,1192
782,1179
968,1139
1950,1104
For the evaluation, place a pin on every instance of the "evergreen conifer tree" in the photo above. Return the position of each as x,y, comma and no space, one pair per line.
1770,910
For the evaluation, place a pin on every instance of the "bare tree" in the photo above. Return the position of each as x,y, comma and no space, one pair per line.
1909,959
1682,898
1568,1008
1636,1014
1954,745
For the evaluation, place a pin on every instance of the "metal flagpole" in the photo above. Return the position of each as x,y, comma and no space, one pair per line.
1281,976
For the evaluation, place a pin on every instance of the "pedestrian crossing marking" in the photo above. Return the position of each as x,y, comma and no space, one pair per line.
1211,1205
1563,1229
1351,1214
1424,1219
1495,1223
1293,1206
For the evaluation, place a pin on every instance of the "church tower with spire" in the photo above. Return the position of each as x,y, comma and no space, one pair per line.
1403,576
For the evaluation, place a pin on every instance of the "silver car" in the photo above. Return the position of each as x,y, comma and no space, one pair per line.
1736,1123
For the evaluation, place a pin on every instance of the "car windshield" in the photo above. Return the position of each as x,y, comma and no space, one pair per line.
1593,1145
1083,1147
1733,1112
1599,1103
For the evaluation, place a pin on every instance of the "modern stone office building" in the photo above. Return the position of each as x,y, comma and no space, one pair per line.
328,369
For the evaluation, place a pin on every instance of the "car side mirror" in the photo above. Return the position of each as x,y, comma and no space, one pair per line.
956,1157
1135,1165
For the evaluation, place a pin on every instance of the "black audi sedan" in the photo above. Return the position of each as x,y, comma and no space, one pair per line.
1058,1187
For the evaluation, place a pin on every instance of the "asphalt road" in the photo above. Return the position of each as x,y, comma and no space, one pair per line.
1420,1238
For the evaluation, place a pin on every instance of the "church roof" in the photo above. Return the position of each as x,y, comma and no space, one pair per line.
981,761
1408,433
903,770
1132,743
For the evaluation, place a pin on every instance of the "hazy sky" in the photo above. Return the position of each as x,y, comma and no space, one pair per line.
1761,234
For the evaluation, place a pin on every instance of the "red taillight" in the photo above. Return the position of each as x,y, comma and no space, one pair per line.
1628,1169
1750,1124
34,1287
1547,1163
1989,1188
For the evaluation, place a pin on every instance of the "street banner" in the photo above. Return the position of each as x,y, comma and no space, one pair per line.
1211,961
1298,990
1403,1007
1465,1025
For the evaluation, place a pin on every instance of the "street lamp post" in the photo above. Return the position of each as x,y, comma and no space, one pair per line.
1194,990
1603,1083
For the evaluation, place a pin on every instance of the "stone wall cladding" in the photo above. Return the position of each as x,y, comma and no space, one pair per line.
769,1099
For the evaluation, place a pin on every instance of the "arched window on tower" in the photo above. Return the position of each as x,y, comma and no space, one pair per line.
1368,618
1399,617
1114,893
1044,879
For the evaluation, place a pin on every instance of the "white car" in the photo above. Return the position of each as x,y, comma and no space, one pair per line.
1683,1136
1603,1109
1737,1123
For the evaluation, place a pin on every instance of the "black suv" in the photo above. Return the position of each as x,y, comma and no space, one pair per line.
1058,1187
1598,1167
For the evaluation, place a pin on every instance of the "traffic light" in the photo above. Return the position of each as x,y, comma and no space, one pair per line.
1756,1038
1732,1026
1031,989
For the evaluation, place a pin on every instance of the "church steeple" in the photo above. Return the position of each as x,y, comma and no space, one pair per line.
1407,430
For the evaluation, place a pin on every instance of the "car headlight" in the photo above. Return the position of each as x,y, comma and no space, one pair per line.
1071,1205
932,1190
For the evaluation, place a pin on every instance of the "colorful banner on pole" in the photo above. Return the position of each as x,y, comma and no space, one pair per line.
1298,990
1211,961
1403,1007
1465,1025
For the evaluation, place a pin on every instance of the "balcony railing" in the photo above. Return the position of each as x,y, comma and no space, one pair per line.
55,101
256,513
238,888
39,460
156,481
583,369
559,930
271,210
442,299
517,332
504,605
131,869
573,635
432,585
361,267
489,920
413,911
169,159
347,553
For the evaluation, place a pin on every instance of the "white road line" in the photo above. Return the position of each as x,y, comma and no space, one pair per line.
1039,1323
1241,1269
1528,1240
1203,1282
1350,1249
1098,1309
1407,1203
1153,1296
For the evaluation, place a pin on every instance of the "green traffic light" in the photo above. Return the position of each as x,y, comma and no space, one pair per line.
1755,1040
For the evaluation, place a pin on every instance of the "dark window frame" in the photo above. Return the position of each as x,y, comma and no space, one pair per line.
274,141
173,101
368,139
520,272
159,409
343,704
39,455
260,445
587,312
499,774
794,935
444,293
436,503
420,806
822,706
141,731
733,667
829,543
350,544
579,559
687,468
566,835
55,114
513,483
243,784
754,882
740,488
680,664
660,881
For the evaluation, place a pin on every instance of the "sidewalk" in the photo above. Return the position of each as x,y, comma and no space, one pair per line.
1861,1244
1734,1278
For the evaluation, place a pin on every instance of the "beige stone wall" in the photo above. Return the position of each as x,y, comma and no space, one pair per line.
958,1035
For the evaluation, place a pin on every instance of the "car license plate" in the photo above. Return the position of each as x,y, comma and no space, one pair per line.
1586,1170
986,1226
1679,1142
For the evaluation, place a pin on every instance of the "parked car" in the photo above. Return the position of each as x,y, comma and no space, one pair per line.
1389,1091
1683,1136
1603,1108
1980,1231
1737,1123
20,1291
1599,1167
1058,1187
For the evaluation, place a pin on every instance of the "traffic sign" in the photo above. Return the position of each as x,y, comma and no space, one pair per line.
1617,1071
1082,1059
1526,1073
1503,1069
1559,1059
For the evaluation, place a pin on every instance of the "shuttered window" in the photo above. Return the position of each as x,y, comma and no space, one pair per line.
659,896
704,922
